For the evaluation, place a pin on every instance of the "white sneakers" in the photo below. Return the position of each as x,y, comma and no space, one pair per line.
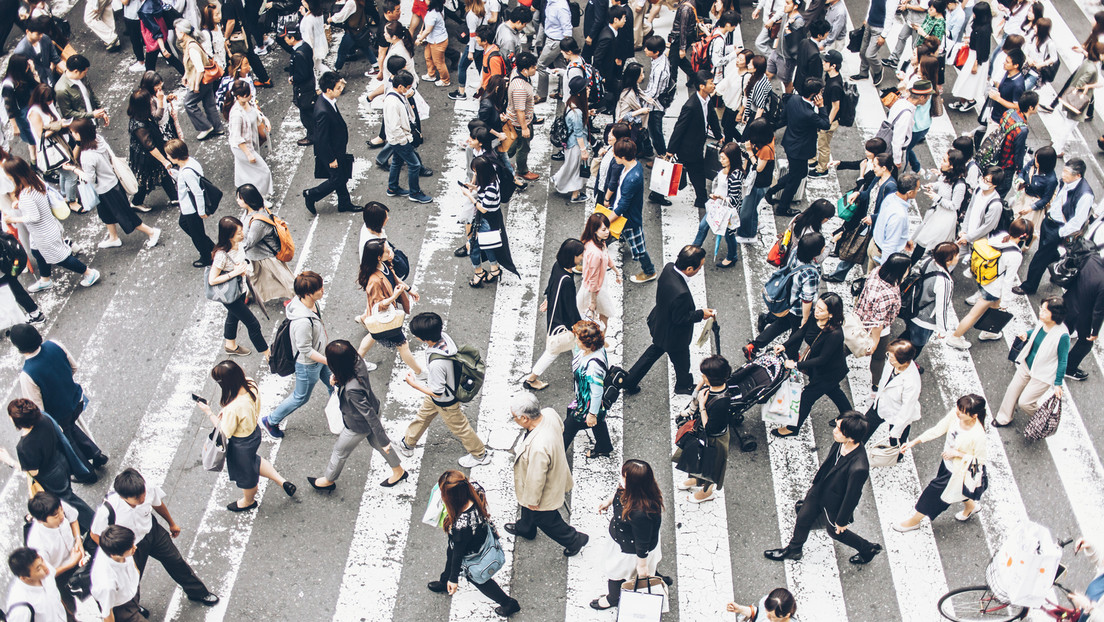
109,243
90,280
957,343
468,461
404,449
988,336
137,67
40,285
972,299
152,241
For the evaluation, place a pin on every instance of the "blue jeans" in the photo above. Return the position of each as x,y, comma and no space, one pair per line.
842,269
918,335
479,255
405,154
655,129
306,376
348,46
749,213
1030,80
729,238
465,62
910,157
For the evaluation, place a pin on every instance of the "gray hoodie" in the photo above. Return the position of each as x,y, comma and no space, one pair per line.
307,331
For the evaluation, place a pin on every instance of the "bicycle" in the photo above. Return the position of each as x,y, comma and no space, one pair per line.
981,603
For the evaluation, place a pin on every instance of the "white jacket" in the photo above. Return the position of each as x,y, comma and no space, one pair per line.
898,399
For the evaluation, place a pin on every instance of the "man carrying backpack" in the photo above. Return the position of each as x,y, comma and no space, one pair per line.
1067,214
192,206
442,387
1014,130
308,343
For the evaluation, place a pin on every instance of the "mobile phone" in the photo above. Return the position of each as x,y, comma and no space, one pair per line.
461,184
198,399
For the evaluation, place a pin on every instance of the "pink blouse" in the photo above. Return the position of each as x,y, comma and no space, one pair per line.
595,263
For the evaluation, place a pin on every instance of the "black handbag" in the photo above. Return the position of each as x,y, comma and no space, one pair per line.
1017,347
854,39
977,474
852,245
584,169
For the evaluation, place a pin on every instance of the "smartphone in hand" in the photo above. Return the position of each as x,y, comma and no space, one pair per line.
199,400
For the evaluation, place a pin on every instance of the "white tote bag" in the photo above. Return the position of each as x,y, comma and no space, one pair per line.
333,414
645,603
782,409
662,172
856,336
10,311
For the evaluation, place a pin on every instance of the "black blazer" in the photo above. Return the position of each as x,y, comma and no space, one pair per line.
838,485
802,123
301,71
672,320
809,63
605,53
827,357
331,137
1085,299
688,138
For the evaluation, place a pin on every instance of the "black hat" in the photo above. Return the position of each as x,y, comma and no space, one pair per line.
577,85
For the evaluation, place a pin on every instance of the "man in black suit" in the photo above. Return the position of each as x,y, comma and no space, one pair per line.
332,160
301,77
688,138
671,322
608,56
834,494
805,116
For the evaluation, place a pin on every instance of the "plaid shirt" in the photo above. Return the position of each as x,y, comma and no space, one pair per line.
806,283
932,27
879,303
1012,125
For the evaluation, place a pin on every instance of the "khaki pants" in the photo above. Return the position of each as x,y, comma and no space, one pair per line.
872,253
824,147
100,20
1025,392
639,8
457,423
435,60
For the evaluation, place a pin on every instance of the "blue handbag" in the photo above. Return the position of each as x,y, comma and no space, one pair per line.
484,563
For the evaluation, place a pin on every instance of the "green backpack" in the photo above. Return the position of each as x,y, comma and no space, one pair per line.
470,370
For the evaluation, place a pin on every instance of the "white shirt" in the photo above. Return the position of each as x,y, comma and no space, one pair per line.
84,94
113,583
137,519
44,599
54,544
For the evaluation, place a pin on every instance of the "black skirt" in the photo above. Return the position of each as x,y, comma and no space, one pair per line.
931,503
114,209
391,338
243,465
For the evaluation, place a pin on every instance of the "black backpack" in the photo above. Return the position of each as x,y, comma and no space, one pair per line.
615,381
13,257
1079,252
912,290
282,354
576,13
848,105
667,96
772,109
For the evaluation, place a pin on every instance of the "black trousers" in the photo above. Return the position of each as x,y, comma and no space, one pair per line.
684,63
192,224
134,33
238,312
159,545
602,441
21,296
548,521
305,103
1046,254
680,359
874,421
167,184
817,389
336,182
811,516
695,172
790,182
151,61
1078,352
776,327
491,589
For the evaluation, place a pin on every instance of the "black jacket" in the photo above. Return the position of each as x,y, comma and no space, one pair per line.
1085,299
838,485
688,137
301,71
802,123
606,54
827,356
331,137
684,30
562,309
809,63
638,533
360,406
672,320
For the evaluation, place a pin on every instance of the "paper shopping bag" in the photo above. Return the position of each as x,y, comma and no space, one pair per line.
676,180
663,176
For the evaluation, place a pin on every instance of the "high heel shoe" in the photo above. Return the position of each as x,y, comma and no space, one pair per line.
387,483
329,487
290,489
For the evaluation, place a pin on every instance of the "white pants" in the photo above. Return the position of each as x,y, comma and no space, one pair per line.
1025,392
1065,132
100,20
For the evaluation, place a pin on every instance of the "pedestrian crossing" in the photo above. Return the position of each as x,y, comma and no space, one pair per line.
376,553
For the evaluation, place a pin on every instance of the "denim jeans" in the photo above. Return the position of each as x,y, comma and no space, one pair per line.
348,46
306,376
910,156
479,255
729,238
405,154
655,129
465,62
842,269
70,263
749,213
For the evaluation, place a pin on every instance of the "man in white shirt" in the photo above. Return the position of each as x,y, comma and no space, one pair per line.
1068,212
901,117
193,207
33,596
115,577
557,27
131,505
55,535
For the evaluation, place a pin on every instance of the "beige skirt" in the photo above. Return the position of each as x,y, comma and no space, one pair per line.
272,279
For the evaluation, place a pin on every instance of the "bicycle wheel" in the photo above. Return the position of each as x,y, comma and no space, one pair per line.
978,604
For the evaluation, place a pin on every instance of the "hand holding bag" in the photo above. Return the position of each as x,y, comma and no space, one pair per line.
852,246
782,409
59,207
961,56
976,481
382,321
214,451
856,336
665,177
1074,101
883,455
226,292
781,248
846,205
1017,347
643,599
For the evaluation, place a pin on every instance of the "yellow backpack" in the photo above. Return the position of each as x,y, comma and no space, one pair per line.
984,260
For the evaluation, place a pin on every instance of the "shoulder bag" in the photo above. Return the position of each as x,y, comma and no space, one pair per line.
214,451
559,339
484,563
883,455
1075,101
59,207
383,321
226,292
781,249
123,172
852,246
856,336
334,419
1045,421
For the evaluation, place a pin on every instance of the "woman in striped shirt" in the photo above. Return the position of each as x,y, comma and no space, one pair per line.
728,187
48,245
484,194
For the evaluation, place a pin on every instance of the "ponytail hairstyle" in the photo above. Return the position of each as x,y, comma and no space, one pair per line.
396,29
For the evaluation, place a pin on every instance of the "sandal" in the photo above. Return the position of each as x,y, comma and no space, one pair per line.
592,453
478,279
493,275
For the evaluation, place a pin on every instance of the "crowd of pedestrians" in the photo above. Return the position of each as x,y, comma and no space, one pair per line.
991,204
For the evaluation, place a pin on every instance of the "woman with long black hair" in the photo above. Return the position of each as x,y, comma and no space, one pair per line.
729,188
759,146
633,550
493,248
560,303
228,262
237,419
946,194
147,149
973,76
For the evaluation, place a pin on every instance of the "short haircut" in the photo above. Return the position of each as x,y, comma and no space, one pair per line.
625,149
811,87
395,64
653,43
852,425
375,215
403,78
690,257
24,413
129,483
1057,308
1028,101
1022,229
525,60
728,18
116,540
715,369
427,326
77,63
307,283
25,338
616,13
902,350
21,560
996,175
520,14
525,404
569,250
1017,57
701,77
39,24
1077,165
619,131
43,505
177,149
390,5
944,252
818,28
809,246
875,145
328,80
907,182
571,46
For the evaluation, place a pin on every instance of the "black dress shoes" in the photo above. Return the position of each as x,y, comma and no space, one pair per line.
574,549
859,558
511,528
778,555
309,202
210,600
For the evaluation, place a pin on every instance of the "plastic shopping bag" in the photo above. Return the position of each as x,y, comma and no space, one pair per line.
434,514
782,408
1024,568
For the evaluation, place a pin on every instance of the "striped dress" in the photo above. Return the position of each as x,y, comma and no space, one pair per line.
47,236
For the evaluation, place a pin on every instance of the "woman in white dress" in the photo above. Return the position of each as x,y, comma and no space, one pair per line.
245,140
971,80
567,179
946,195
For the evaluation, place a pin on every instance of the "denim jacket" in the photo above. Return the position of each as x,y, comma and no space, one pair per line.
1040,187
576,129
